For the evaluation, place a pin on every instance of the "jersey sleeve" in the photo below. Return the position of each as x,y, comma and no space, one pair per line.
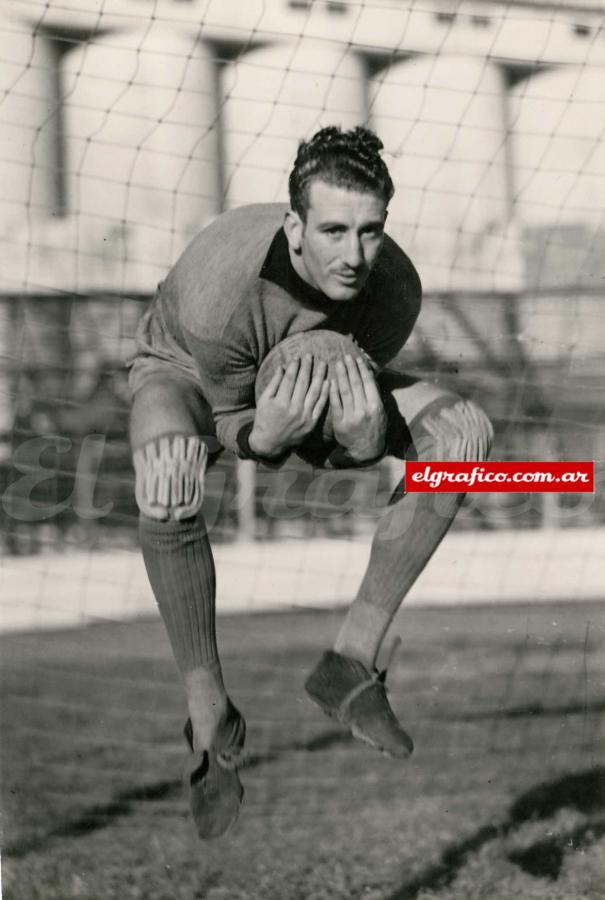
227,372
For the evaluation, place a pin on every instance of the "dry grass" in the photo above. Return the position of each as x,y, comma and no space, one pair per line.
504,797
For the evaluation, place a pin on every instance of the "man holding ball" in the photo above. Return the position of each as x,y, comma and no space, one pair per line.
256,277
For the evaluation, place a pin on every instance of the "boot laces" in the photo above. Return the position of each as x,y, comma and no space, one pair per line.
381,675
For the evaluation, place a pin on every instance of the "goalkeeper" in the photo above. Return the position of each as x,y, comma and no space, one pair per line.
255,276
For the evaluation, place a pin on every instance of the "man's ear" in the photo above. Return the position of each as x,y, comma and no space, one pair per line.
294,228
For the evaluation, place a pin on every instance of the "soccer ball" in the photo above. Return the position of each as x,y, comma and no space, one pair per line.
323,345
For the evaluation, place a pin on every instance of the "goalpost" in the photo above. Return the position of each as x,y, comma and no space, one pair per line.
127,126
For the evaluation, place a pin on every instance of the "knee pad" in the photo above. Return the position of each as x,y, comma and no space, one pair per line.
169,476
458,430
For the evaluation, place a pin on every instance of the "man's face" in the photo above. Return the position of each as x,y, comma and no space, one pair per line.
335,249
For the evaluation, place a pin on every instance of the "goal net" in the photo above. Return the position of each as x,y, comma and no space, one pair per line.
128,125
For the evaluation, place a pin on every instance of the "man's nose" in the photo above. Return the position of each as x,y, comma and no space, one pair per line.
353,252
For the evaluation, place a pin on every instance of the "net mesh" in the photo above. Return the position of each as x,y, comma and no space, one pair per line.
129,126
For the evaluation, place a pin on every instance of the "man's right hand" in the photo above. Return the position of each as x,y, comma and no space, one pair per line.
289,407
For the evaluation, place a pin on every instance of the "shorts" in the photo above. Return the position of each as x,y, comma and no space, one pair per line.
157,352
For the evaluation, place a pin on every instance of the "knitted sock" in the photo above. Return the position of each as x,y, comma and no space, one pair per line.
411,530
180,566
406,538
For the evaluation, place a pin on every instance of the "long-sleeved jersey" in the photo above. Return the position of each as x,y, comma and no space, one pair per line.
234,294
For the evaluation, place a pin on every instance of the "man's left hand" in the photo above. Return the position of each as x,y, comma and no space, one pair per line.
358,414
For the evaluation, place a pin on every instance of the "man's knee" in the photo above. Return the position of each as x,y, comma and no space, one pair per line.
169,405
453,429
169,476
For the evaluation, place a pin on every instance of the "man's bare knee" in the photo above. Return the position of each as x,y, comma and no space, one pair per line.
170,473
457,430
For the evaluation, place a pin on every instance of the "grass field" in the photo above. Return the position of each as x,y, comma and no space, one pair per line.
504,797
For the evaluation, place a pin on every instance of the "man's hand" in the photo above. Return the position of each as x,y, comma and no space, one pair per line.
358,415
289,407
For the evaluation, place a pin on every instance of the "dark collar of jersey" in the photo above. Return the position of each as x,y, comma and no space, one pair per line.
278,268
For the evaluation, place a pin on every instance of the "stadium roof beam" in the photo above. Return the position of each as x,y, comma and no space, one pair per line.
527,32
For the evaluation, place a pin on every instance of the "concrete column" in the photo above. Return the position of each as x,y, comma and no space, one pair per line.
441,121
275,96
142,147
559,144
29,126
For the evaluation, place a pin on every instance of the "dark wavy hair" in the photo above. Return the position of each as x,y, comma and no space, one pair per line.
346,159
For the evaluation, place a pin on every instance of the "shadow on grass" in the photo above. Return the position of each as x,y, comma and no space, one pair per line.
544,859
123,803
95,817
530,709
583,792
